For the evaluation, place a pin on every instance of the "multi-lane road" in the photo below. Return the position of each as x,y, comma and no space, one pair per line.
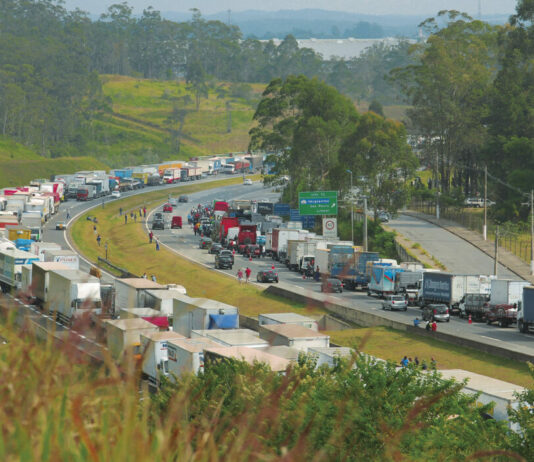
185,243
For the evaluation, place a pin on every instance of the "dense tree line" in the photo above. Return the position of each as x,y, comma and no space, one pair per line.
471,91
320,136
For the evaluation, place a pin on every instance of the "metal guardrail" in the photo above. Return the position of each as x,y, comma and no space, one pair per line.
124,273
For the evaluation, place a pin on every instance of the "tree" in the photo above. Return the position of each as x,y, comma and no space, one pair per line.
448,89
376,107
377,153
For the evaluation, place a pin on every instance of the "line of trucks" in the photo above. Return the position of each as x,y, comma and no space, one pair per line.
170,334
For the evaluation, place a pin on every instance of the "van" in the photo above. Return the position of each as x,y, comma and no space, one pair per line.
176,222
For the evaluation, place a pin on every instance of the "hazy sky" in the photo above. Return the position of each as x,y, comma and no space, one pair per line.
406,7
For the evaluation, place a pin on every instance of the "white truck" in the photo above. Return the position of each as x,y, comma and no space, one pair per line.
171,175
504,300
34,221
300,253
72,293
279,242
162,300
39,248
130,292
154,349
67,257
11,262
40,280
186,356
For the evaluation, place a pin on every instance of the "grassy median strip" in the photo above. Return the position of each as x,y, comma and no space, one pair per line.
128,248
391,344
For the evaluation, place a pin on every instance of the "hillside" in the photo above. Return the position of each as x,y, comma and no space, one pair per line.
139,130
21,165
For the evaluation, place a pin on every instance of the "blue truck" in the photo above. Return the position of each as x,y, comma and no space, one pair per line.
382,280
354,276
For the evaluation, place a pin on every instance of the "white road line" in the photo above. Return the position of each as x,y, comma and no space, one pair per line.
490,338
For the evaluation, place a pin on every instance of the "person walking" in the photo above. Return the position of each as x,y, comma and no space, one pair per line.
150,237
424,366
248,271
157,244
153,278
416,361
68,214
144,212
433,364
120,211
240,276
428,327
434,326
125,219
404,361
98,239
144,275
135,217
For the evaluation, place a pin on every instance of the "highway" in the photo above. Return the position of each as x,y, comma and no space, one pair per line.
459,256
186,244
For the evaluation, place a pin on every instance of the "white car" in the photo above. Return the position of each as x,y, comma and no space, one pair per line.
247,182
116,194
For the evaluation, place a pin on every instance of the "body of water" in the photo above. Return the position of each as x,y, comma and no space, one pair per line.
342,48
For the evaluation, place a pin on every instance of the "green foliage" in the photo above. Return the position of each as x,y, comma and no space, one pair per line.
371,412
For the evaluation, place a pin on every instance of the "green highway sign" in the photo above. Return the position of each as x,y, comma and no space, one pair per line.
318,203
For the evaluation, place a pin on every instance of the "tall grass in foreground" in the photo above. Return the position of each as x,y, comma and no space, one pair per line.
56,406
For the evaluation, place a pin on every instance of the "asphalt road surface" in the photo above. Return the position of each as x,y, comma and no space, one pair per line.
457,255
186,243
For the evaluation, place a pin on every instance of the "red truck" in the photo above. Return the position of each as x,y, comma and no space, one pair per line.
226,224
247,234
220,206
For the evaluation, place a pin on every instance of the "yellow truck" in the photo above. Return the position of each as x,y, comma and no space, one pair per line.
143,176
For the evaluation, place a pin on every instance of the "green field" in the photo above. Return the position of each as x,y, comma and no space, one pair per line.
139,126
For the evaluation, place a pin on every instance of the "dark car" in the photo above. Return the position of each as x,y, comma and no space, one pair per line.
331,285
436,313
158,216
215,248
205,243
227,253
267,275
158,224
224,259
183,198
504,315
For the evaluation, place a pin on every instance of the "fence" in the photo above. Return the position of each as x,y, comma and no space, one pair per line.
513,237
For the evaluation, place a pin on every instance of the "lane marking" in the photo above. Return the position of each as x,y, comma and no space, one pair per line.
490,338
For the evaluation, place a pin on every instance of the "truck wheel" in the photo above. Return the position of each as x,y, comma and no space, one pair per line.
501,323
522,327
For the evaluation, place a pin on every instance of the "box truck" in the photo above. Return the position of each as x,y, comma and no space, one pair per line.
186,356
11,262
40,282
72,293
525,312
67,257
129,292
155,359
382,280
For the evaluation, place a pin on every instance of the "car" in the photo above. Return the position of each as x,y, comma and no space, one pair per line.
158,224
176,222
183,198
384,217
173,201
247,182
116,194
228,253
205,243
474,202
395,302
437,312
158,216
61,225
215,248
167,208
267,275
504,314
331,285
224,259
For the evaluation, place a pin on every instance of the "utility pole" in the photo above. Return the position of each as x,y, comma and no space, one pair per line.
365,223
485,228
437,186
496,262
532,231
351,209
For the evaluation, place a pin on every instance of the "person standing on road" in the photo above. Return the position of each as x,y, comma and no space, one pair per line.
248,271
68,214
157,244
